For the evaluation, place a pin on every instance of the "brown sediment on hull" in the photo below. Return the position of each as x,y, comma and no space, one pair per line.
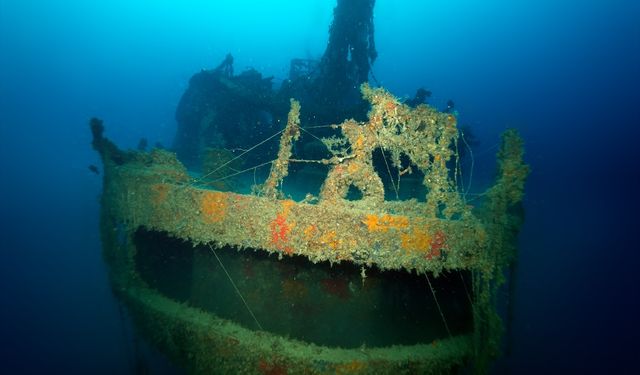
425,235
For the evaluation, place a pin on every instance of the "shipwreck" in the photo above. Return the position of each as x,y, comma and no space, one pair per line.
382,266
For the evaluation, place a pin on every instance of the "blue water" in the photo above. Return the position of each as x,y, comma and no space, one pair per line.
565,73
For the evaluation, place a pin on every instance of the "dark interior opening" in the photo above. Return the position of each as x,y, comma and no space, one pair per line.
317,303
354,194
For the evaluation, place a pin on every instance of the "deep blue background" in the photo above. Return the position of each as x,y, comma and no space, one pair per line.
565,73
